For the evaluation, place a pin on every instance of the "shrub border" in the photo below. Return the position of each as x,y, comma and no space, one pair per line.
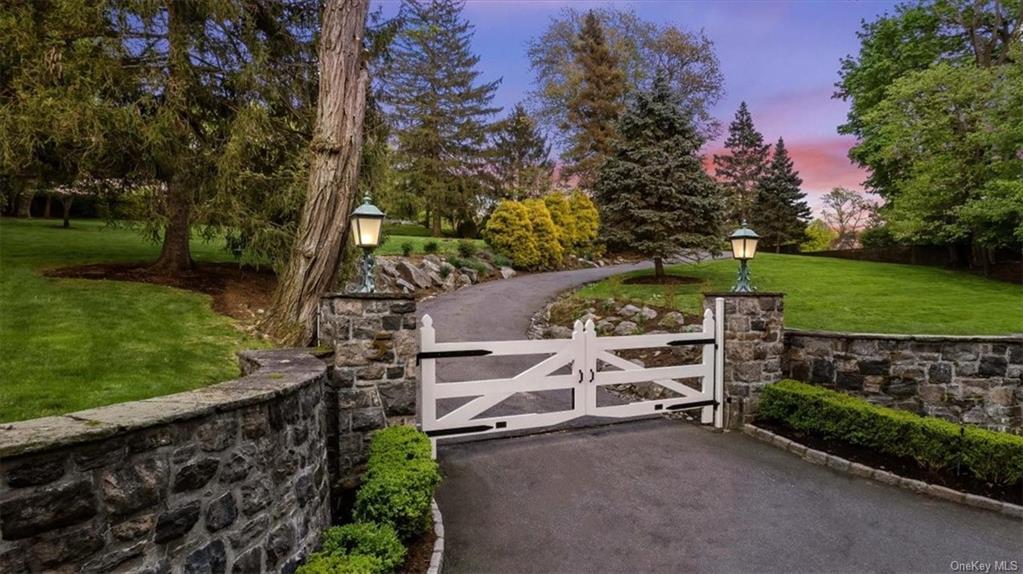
437,559
863,471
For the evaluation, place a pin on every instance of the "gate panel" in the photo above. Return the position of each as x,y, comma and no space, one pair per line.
581,352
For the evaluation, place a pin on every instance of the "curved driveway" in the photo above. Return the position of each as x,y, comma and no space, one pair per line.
666,496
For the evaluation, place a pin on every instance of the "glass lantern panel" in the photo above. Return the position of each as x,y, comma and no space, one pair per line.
366,231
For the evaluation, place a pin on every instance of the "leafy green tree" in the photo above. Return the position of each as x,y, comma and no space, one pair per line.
654,195
819,236
781,210
739,172
955,131
643,49
439,111
916,36
521,157
593,110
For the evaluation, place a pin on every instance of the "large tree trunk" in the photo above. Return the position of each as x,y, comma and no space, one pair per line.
176,255
25,201
46,209
65,204
436,228
333,177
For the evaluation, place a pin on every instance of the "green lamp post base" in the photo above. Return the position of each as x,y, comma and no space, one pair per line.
742,282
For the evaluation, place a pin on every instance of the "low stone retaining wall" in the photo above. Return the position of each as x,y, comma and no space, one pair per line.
975,380
228,478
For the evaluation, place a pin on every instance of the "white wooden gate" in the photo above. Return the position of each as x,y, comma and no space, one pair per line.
581,353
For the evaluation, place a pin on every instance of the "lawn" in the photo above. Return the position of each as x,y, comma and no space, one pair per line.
841,295
392,244
71,344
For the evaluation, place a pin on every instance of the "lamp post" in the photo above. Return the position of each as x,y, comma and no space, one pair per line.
744,247
366,222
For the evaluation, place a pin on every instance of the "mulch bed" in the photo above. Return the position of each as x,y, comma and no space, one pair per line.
420,551
239,292
666,280
906,467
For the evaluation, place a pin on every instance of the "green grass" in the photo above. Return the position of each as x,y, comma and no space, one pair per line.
392,245
71,344
841,295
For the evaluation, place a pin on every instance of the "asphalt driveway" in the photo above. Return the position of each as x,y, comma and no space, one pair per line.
666,496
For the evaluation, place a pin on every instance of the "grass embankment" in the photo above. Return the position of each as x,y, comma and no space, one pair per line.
71,344
842,295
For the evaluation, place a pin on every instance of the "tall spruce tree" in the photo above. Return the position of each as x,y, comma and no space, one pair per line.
654,195
594,109
440,110
739,172
521,161
782,212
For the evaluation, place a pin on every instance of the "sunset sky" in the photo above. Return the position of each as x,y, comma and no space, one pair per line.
782,58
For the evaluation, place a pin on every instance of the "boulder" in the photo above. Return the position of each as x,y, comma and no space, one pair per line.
434,259
605,326
672,320
414,275
559,332
471,273
628,310
648,313
626,328
461,279
507,273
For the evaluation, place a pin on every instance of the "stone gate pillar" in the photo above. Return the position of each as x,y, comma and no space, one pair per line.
372,380
754,345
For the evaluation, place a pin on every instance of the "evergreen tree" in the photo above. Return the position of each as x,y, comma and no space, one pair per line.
739,173
654,195
439,110
782,212
520,157
595,108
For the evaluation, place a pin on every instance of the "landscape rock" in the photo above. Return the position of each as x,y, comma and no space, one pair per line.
507,273
672,320
559,332
628,310
605,326
648,313
626,328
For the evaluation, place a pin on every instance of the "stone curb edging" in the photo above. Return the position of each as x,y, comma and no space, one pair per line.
856,469
437,559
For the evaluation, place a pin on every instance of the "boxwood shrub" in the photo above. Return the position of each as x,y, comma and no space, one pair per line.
363,538
324,563
401,476
934,443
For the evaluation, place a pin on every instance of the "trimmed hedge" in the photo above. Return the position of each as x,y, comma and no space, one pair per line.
934,443
322,563
362,538
400,479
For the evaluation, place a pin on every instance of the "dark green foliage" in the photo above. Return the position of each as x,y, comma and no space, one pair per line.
467,248
400,480
781,212
431,246
322,563
361,538
877,236
521,165
934,443
741,170
653,193
407,248
439,111
406,229
593,111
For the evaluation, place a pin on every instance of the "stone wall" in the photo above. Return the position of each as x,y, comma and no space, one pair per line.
754,324
976,380
229,478
372,380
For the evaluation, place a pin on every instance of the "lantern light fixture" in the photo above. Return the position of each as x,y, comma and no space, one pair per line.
366,223
744,248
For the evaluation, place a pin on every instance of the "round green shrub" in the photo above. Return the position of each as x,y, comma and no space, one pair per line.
431,246
361,538
407,248
467,248
398,496
510,232
587,224
564,220
323,563
545,234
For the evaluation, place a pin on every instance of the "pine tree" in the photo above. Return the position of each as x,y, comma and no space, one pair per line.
654,195
439,110
782,212
739,173
594,109
520,157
